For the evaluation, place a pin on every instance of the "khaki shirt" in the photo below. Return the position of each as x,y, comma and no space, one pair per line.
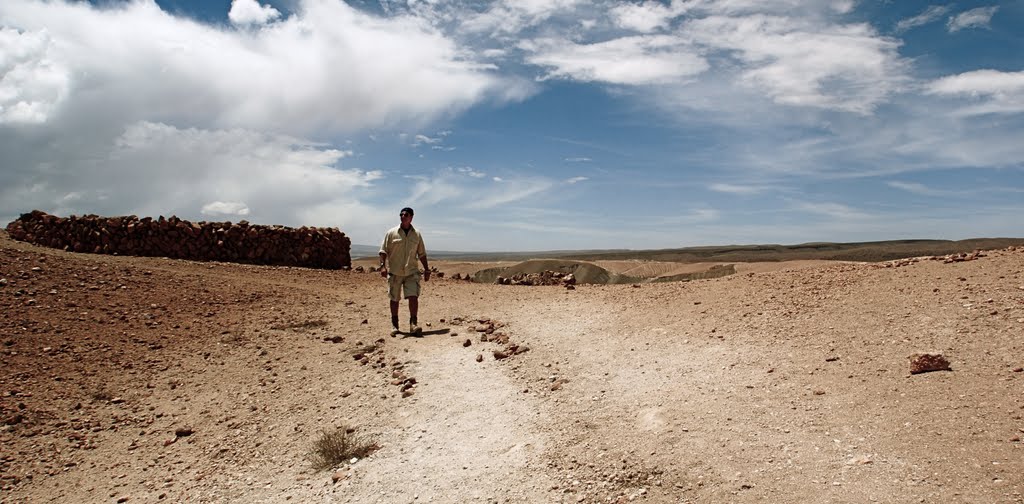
403,250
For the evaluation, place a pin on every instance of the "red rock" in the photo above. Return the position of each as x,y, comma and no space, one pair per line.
926,362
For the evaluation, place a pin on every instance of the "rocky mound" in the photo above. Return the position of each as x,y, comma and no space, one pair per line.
583,272
312,247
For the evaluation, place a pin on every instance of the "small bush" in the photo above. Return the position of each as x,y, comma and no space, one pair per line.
338,445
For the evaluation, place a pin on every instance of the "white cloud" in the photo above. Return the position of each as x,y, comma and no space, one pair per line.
246,12
575,180
802,62
921,189
424,139
578,160
328,68
471,172
736,189
837,211
843,6
974,18
509,191
636,60
644,17
992,91
513,16
465,188
434,142
32,84
932,13
980,82
237,208
795,52
157,169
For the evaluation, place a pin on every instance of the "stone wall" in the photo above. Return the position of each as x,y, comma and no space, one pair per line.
242,242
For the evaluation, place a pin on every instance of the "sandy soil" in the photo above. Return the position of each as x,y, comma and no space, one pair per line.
151,380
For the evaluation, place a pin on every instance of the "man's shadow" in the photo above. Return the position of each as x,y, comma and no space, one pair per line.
421,334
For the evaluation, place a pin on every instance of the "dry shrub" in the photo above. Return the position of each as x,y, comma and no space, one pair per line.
338,445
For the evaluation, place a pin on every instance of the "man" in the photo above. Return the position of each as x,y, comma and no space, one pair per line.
402,246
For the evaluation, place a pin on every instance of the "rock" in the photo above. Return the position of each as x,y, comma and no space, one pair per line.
479,357
499,355
925,362
467,342
183,432
338,476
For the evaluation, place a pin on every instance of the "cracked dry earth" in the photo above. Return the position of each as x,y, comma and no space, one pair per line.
151,380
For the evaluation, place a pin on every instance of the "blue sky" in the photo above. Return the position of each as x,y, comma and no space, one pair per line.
523,125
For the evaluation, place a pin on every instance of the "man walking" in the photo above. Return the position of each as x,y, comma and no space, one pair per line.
402,246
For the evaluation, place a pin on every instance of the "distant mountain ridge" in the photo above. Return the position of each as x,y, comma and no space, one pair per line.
853,251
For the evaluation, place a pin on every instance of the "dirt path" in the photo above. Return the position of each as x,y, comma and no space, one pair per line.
467,435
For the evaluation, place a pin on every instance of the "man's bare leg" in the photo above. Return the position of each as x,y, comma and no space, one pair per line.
394,314
414,306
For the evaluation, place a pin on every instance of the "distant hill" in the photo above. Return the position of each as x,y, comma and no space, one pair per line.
853,251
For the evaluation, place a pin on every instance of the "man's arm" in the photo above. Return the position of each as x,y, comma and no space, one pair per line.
421,251
384,255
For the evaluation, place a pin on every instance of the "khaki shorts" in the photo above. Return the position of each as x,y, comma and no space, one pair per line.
410,284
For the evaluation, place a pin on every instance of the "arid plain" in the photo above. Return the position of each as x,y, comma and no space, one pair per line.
154,380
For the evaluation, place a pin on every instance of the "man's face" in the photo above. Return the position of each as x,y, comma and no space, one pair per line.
406,218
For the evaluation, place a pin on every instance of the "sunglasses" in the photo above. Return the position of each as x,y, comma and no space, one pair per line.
404,215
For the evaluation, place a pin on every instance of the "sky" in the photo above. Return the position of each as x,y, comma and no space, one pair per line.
523,125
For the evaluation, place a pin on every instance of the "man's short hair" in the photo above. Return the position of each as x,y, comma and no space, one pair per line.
407,210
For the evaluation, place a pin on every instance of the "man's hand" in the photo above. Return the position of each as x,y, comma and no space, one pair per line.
426,276
384,271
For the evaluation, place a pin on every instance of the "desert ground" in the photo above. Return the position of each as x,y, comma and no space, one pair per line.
153,380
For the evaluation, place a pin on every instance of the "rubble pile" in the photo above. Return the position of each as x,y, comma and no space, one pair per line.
542,278
312,247
946,259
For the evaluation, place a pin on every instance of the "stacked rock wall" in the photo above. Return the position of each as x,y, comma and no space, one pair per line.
242,242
